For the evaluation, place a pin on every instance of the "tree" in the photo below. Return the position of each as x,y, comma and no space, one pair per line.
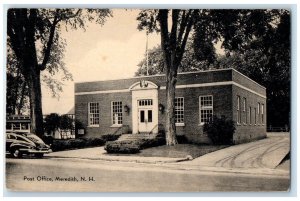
33,35
52,123
155,63
266,60
190,61
237,30
17,89
173,45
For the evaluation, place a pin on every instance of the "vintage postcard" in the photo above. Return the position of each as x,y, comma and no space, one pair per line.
156,100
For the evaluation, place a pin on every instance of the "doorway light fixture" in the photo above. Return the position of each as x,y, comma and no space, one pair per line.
126,109
161,108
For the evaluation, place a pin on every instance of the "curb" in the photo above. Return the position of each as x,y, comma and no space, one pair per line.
171,160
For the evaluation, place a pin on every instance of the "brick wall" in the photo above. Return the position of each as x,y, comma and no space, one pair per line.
244,131
224,102
104,100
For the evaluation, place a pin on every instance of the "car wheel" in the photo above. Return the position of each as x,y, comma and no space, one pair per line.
39,155
16,153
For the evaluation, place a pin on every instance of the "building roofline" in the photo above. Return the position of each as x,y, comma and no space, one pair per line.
159,75
247,78
182,73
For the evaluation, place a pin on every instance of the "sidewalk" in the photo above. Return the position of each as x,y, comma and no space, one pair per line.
259,157
98,153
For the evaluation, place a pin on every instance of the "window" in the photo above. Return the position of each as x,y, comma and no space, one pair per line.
258,113
206,108
94,114
16,126
142,116
255,121
262,113
244,111
145,102
179,110
250,115
238,110
24,126
117,117
149,116
8,126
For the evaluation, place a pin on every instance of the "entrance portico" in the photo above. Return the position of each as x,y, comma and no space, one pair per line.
144,107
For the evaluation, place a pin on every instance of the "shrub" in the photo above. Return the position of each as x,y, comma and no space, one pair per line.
181,139
125,147
54,121
98,142
110,137
66,123
132,146
48,139
59,145
94,141
51,123
77,143
220,130
146,143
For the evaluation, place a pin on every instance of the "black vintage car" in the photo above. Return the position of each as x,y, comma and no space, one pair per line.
27,143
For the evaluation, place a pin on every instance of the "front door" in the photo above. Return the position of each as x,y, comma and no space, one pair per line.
144,107
145,118
145,115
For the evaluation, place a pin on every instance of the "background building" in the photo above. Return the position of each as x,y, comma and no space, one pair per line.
18,123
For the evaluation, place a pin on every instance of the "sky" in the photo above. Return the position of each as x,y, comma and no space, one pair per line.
111,51
107,52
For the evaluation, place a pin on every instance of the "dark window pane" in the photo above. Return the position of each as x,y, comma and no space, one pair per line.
149,115
24,126
142,116
8,126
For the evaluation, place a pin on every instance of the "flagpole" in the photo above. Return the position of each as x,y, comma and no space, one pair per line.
147,60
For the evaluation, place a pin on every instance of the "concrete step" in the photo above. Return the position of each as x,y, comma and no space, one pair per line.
136,136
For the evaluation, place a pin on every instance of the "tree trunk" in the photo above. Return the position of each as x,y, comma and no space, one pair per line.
36,104
170,115
21,103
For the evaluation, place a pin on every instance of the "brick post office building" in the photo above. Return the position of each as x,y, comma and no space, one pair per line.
137,105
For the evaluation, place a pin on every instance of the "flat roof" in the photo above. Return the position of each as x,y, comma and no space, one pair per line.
181,73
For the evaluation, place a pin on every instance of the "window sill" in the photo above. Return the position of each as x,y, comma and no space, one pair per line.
93,126
179,124
116,125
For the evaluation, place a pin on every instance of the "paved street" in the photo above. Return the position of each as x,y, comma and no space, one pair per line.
104,176
71,173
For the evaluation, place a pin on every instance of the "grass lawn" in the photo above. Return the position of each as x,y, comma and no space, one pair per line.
180,150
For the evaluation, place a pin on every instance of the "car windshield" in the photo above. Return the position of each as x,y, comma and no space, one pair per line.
34,138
